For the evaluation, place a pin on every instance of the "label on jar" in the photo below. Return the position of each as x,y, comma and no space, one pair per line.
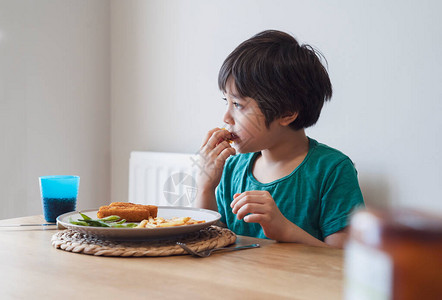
368,273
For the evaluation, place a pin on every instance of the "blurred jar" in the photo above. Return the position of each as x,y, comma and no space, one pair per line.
393,254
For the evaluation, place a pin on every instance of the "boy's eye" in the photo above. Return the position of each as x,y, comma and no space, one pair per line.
237,105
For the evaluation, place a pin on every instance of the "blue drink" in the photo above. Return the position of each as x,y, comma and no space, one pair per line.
59,195
54,207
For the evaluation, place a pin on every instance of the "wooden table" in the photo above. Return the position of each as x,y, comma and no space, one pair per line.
32,268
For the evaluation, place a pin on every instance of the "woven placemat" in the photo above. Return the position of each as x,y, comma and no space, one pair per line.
207,238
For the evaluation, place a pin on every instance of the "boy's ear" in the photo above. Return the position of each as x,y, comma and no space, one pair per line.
288,118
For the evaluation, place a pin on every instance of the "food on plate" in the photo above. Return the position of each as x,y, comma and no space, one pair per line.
161,222
110,221
128,211
130,215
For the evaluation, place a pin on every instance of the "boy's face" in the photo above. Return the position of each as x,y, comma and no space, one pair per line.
247,122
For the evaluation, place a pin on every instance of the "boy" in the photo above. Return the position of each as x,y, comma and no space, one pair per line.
282,185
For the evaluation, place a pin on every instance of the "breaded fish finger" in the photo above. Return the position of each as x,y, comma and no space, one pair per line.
129,211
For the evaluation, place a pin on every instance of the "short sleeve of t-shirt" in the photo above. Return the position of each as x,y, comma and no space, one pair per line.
340,196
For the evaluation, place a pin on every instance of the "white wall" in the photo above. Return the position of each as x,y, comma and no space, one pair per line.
384,61
54,100
62,60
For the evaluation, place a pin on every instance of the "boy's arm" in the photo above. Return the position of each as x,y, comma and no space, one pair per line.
206,199
286,231
298,235
337,239
259,207
213,155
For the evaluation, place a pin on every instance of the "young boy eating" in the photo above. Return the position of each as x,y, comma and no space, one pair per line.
281,185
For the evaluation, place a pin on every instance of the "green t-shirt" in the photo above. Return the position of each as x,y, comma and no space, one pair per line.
318,196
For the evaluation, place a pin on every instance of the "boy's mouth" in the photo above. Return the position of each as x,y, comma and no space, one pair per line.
229,139
233,136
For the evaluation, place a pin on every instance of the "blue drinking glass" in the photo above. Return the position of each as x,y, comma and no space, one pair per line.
59,195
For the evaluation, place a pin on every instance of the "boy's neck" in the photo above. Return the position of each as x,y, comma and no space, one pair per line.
282,158
291,146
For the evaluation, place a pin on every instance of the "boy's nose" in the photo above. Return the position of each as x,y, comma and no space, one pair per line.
228,118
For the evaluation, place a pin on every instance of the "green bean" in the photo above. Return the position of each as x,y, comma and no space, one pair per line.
110,218
85,217
110,221
126,225
97,223
119,226
82,223
131,225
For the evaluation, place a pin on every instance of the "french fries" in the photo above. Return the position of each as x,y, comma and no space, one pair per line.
161,222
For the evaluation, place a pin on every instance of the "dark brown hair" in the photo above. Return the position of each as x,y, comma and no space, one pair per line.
282,76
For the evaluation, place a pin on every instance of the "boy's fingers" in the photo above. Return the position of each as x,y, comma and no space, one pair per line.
253,197
250,208
207,147
220,148
208,135
254,218
217,137
224,155
238,197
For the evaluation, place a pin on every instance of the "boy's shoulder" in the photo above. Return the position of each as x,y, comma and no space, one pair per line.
322,152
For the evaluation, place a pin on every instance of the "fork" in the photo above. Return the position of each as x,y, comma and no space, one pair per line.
206,253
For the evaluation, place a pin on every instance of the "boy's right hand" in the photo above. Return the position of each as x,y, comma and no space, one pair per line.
214,153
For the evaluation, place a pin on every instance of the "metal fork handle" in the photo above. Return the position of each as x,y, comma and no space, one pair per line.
236,248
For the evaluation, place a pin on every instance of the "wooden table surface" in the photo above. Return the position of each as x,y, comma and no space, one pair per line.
32,268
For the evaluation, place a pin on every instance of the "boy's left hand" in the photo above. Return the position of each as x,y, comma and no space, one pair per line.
259,207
